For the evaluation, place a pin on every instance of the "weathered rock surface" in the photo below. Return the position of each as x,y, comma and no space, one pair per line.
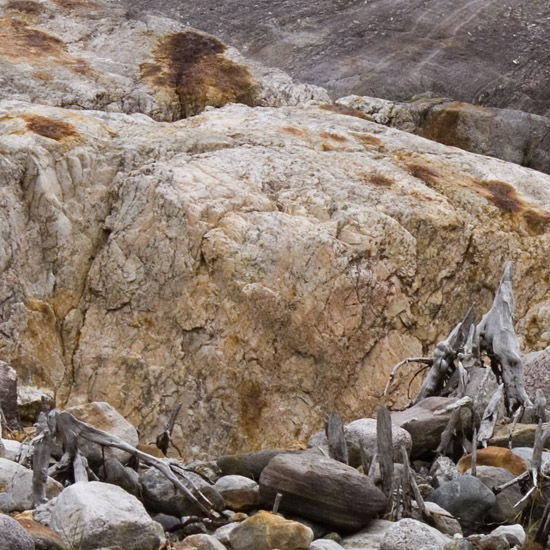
93,515
8,395
13,536
369,538
410,534
44,538
491,53
515,534
510,135
239,493
249,464
442,520
536,368
322,490
201,542
93,56
265,531
32,401
254,263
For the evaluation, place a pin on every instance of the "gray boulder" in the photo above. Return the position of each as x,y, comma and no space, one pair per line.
93,515
467,498
515,534
8,395
321,489
201,542
17,481
443,521
325,544
13,536
249,464
31,401
410,534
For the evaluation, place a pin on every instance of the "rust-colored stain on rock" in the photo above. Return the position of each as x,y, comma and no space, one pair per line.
367,139
502,195
57,130
76,4
293,130
429,175
194,66
379,180
343,110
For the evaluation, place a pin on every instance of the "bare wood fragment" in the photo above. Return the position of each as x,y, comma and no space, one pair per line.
474,453
426,360
498,339
277,502
82,429
489,419
515,418
511,482
449,432
384,441
366,460
445,354
334,430
406,484
420,501
538,447
164,439
41,456
540,406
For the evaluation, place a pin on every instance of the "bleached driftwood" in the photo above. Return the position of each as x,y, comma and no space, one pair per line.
41,456
164,439
489,419
384,441
445,354
426,360
334,430
74,427
498,339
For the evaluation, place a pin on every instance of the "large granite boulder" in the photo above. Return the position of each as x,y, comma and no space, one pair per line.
13,536
260,264
321,489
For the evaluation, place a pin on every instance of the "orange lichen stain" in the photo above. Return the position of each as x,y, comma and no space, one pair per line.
537,220
494,456
193,66
22,43
334,137
24,6
293,130
57,130
327,147
367,139
343,110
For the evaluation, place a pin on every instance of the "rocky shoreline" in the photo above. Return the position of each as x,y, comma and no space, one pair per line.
436,475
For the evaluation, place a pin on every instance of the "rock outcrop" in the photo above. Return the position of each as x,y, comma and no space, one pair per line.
486,52
260,264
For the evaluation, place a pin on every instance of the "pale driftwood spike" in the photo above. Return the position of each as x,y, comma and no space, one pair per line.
164,439
42,444
517,479
373,463
449,432
384,441
489,419
470,355
82,429
474,453
365,458
515,419
498,339
445,354
406,484
462,379
540,406
277,503
426,360
334,430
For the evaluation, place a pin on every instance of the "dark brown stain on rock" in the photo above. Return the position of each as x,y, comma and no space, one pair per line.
502,195
193,66
252,404
367,139
537,220
24,6
379,180
57,130
343,110
443,127
76,4
430,176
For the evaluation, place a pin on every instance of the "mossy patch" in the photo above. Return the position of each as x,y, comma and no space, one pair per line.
193,65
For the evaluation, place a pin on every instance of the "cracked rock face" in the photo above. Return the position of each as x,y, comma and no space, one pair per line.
261,264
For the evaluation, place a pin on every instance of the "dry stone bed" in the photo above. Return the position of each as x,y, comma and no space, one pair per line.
428,477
